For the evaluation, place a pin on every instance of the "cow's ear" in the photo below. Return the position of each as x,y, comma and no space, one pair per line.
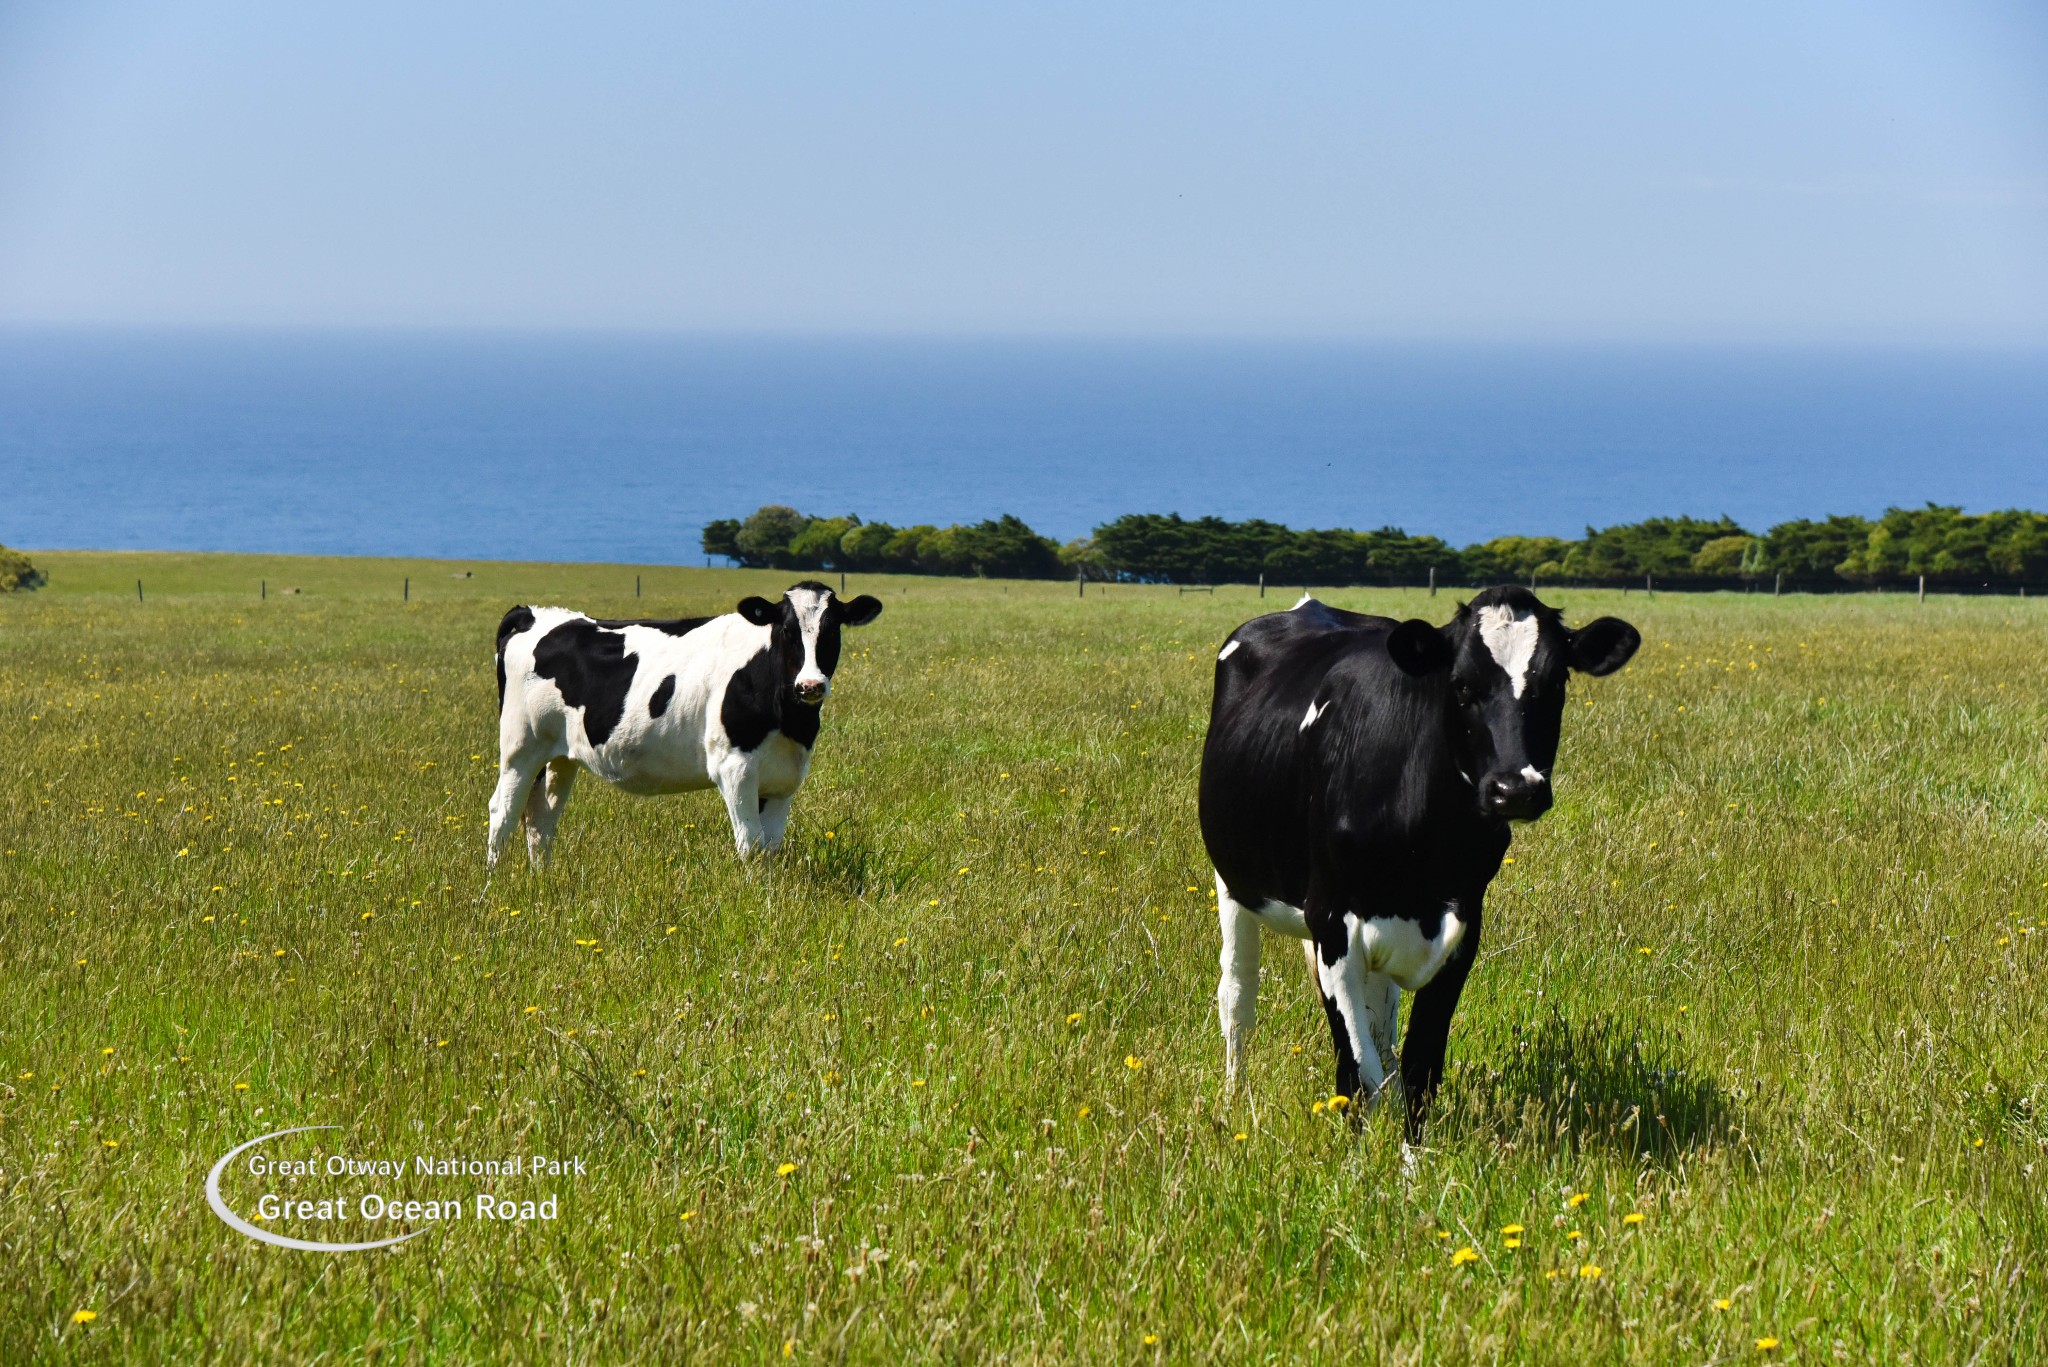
1419,648
759,611
1604,645
861,610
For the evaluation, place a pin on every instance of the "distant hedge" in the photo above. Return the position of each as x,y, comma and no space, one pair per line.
17,573
1945,544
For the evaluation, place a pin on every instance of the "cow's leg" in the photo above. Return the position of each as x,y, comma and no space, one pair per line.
515,778
1341,974
544,807
1237,990
1429,1025
775,819
739,783
1383,1010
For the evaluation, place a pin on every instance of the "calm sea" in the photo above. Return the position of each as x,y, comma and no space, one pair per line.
581,448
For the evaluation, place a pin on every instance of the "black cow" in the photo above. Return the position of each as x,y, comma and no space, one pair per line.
1357,785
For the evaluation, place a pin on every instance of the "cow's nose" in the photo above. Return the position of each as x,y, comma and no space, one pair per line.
1515,796
810,690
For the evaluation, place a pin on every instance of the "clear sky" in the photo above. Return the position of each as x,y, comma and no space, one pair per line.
1746,170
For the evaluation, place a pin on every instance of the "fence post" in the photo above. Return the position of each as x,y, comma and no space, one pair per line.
1432,581
1262,583
636,586
407,595
1923,588
1649,586
1080,584
138,590
842,584
1778,587
263,589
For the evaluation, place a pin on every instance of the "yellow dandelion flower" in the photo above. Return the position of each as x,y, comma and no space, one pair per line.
111,1143
1083,1113
1578,1198
785,1170
1317,1109
1592,1271
639,1072
107,1051
241,1086
1576,1234
1725,1303
1467,1254
689,1215
84,1316
1510,1242
1133,1062
1634,1217
1765,1344
902,940
1511,1229
1338,1103
1076,1017
1151,1339
1238,1138
531,1009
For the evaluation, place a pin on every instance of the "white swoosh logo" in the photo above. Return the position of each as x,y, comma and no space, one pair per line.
237,1223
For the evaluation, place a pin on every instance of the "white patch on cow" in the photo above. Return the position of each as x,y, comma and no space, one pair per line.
1306,599
1348,986
1315,709
810,605
1511,638
1532,773
1396,946
1228,646
1278,916
1237,986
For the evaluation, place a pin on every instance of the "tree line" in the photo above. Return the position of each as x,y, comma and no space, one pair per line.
1942,543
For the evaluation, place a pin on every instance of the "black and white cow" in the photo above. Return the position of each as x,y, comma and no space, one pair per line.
1357,785
728,702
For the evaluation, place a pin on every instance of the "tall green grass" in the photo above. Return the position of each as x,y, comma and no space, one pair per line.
1768,977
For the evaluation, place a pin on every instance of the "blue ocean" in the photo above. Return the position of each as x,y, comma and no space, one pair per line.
620,448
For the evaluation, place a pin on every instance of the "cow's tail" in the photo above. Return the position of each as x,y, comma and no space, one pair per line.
511,624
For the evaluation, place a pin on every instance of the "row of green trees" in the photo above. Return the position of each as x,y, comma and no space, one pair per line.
782,537
1943,543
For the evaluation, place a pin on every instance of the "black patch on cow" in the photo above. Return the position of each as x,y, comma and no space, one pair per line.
674,626
759,700
592,667
511,624
658,704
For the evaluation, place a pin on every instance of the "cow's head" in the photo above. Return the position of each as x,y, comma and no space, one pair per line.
804,634
1504,660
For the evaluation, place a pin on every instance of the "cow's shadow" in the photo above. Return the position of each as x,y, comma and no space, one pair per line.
1575,1087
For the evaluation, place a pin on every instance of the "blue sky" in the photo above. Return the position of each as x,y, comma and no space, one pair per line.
1752,170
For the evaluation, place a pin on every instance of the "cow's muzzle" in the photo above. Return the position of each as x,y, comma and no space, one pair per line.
1515,797
811,691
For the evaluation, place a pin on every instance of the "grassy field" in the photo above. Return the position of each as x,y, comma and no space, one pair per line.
1753,1054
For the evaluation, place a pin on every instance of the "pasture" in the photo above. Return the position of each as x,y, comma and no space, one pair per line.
1750,1068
